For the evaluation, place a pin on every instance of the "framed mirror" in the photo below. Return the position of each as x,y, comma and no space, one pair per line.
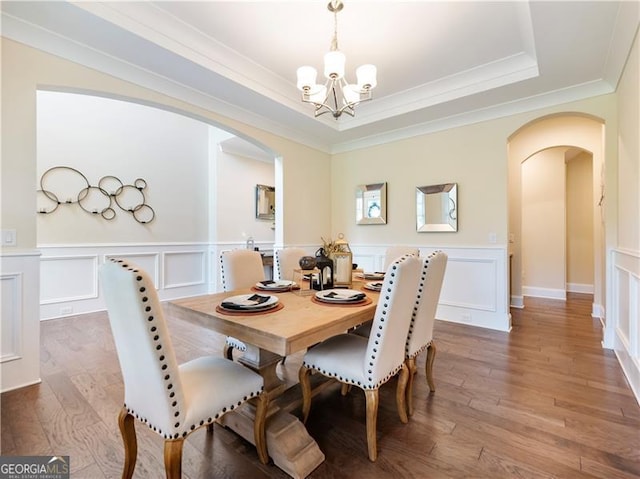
265,202
371,204
437,207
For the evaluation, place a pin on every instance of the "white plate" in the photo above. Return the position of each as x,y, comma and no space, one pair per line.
374,285
244,302
339,295
376,275
280,285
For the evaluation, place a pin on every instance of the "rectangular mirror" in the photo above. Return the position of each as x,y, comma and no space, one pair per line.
371,204
437,207
265,202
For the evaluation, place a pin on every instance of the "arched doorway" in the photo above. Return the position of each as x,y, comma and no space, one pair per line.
567,130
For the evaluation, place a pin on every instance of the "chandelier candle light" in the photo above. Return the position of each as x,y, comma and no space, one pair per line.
336,96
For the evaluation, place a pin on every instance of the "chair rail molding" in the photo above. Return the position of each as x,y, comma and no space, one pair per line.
178,270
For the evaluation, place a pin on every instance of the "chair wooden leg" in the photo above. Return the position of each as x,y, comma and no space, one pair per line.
258,428
401,392
431,356
210,428
371,396
126,422
413,369
173,458
305,384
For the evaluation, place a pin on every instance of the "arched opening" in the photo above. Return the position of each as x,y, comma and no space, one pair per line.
203,195
557,225
548,161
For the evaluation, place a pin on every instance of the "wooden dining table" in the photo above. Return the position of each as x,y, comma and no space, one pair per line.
299,321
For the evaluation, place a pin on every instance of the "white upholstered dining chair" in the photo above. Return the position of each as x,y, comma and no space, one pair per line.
240,268
287,259
420,335
171,399
394,252
368,363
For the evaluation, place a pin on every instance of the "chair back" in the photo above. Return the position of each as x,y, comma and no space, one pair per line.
394,252
428,295
152,387
241,268
385,349
287,260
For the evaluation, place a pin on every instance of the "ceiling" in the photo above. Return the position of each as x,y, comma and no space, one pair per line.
440,64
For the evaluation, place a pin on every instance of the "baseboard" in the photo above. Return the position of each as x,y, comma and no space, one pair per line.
544,292
517,302
579,288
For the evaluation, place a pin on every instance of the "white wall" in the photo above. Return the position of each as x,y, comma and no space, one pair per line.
104,137
543,225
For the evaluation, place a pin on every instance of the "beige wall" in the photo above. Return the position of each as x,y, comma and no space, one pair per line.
235,189
623,331
580,223
543,224
628,198
24,69
473,156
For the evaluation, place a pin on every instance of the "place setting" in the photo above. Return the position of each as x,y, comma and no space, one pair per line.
341,297
374,286
249,304
275,286
376,275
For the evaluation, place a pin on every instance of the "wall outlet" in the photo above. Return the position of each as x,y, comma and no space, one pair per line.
8,237
66,310
493,238
466,317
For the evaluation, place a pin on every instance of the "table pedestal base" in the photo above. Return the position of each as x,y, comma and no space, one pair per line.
289,444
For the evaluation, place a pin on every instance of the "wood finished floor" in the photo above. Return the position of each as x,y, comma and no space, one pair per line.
543,401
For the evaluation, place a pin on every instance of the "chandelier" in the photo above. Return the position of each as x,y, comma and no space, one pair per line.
336,96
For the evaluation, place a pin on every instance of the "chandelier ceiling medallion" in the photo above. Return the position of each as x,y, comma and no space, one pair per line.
336,96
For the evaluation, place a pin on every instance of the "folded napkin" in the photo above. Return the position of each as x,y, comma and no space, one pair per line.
267,282
376,285
258,299
353,297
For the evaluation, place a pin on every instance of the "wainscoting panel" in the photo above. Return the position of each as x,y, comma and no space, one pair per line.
622,328
475,288
68,278
11,309
184,268
177,270
20,362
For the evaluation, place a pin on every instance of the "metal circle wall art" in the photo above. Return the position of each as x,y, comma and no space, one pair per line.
63,185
